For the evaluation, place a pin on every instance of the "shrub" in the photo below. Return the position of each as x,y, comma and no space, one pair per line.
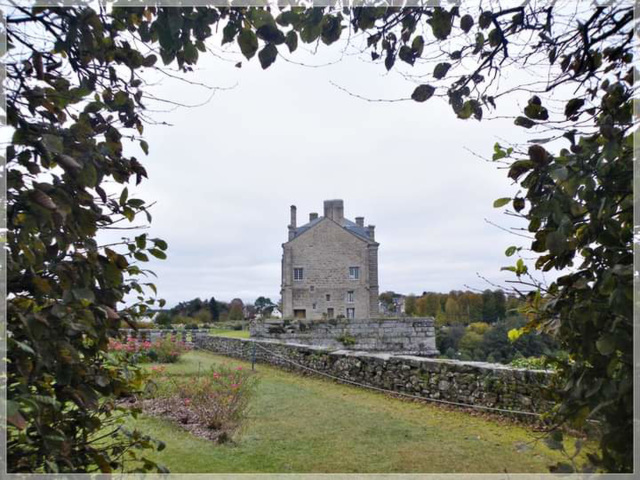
165,350
218,398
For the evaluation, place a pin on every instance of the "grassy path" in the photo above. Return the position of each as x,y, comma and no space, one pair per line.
299,424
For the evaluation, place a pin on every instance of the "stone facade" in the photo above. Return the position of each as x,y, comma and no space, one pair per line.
330,267
471,383
414,336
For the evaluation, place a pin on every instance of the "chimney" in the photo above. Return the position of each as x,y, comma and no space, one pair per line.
293,216
313,216
360,221
371,231
334,209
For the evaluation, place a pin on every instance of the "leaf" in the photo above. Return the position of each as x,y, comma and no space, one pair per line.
123,196
441,70
606,344
440,23
572,106
66,161
291,40
158,253
524,122
53,143
14,417
248,43
555,242
44,200
485,19
510,251
141,256
145,147
161,244
268,55
501,202
519,167
466,23
270,33
514,334
422,93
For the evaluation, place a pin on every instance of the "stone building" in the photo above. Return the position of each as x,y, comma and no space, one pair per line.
330,267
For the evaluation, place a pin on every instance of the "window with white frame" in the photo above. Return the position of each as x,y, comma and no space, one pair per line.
350,296
298,273
354,273
351,313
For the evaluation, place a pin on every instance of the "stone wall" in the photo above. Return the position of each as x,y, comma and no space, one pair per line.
415,336
474,383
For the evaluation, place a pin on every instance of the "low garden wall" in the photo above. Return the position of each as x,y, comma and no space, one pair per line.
415,336
474,383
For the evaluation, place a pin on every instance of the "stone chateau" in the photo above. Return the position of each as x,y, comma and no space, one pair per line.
330,267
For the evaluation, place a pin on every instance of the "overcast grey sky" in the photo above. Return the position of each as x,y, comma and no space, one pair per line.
226,172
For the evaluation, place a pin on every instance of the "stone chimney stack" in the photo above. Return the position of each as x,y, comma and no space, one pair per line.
293,216
334,209
360,221
313,216
292,224
371,232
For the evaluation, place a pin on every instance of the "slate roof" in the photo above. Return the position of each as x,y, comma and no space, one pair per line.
348,225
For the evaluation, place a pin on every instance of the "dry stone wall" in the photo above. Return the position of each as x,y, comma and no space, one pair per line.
473,383
415,336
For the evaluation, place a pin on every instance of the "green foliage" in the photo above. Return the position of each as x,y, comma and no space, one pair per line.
347,340
236,313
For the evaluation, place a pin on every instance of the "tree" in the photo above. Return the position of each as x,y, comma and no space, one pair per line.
264,306
410,305
76,93
214,309
236,312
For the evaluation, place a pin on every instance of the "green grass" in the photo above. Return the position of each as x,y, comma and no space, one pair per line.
229,333
302,424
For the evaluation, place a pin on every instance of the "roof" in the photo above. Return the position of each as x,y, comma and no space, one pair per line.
348,225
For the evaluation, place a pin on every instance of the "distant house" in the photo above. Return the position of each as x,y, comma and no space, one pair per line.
330,266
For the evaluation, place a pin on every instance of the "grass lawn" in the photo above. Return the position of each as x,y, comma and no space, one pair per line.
299,424
229,333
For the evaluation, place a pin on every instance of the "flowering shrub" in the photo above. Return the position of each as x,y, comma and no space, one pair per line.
165,350
217,399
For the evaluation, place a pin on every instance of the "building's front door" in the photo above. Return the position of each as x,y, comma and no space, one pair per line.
300,313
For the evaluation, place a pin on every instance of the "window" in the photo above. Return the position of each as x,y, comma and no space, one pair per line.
354,273
351,313
314,306
350,296
298,274
330,312
312,288
328,297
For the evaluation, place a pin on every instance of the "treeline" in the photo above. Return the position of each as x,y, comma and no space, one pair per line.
198,311
475,326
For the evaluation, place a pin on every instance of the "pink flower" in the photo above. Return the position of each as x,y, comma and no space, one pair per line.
238,368
216,375
187,401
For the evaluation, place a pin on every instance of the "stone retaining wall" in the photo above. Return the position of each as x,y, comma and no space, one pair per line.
472,383
415,336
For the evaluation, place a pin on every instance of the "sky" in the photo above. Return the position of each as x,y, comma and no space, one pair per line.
225,173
